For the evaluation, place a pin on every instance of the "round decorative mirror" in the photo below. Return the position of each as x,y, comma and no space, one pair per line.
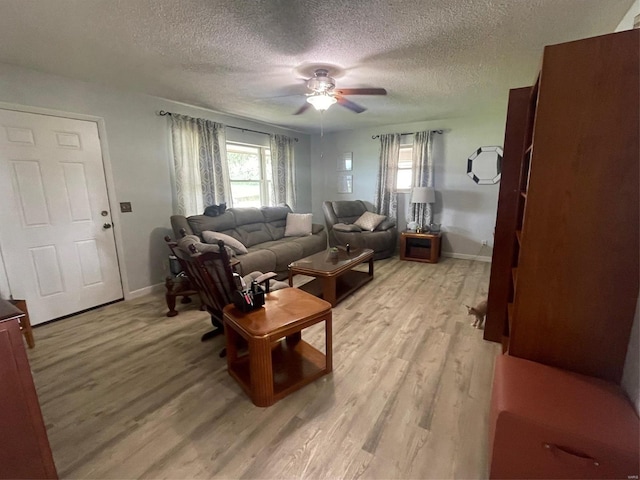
484,166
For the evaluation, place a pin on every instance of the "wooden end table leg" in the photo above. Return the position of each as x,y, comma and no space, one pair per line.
261,371
371,267
329,290
328,332
25,323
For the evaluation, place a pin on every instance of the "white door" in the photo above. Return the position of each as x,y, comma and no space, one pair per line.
55,223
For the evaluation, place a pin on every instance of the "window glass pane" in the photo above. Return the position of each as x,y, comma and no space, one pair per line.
246,194
404,179
404,168
244,162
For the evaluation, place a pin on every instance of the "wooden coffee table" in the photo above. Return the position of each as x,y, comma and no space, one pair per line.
278,361
335,277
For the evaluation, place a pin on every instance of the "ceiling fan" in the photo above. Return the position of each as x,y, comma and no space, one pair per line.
324,93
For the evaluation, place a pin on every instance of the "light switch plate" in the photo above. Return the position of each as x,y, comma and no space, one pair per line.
125,207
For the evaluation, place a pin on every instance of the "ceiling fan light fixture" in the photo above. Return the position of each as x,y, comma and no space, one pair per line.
321,101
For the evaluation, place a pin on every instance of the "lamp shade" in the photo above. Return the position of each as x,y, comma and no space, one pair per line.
423,195
321,101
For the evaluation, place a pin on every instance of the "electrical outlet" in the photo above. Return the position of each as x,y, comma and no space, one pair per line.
485,243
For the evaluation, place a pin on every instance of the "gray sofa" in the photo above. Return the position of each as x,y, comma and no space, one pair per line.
343,213
261,230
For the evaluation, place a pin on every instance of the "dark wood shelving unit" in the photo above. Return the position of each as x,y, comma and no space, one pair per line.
551,298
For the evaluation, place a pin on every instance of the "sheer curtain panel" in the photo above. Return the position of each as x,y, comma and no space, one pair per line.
282,171
386,199
422,175
200,164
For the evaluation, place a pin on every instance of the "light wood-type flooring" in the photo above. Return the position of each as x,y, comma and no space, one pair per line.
127,392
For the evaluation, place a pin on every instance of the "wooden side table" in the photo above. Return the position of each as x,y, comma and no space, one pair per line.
278,362
420,247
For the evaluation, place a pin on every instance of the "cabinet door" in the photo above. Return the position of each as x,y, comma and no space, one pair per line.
24,446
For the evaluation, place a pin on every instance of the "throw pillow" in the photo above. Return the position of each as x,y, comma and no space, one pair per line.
346,227
298,224
369,221
235,245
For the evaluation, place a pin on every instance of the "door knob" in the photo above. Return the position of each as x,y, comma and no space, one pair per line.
106,225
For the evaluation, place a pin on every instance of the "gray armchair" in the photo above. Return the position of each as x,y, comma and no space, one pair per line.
340,217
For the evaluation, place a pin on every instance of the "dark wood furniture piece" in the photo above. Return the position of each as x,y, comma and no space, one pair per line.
550,423
509,215
335,277
420,247
25,323
571,304
24,445
278,361
178,286
212,276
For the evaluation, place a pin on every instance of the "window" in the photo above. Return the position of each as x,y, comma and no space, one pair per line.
249,174
405,168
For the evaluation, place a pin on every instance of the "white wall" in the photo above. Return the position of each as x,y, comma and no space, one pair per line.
627,21
467,211
139,150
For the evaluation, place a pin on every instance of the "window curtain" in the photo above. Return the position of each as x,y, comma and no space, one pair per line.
200,164
422,174
282,171
386,198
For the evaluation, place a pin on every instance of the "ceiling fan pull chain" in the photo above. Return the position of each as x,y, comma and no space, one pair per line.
321,123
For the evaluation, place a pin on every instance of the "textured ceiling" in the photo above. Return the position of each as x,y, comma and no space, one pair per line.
436,58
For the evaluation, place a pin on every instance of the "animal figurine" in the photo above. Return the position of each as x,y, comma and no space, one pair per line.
480,311
215,210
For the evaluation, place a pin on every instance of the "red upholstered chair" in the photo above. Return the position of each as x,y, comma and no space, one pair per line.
550,423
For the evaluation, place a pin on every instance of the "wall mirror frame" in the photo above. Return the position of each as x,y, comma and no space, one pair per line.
484,166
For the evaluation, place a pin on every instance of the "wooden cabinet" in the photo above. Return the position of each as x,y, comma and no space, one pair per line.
420,247
24,446
572,232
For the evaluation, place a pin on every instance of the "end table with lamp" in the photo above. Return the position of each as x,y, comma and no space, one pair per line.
420,247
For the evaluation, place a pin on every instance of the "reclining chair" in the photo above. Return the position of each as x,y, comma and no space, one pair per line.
341,217
210,271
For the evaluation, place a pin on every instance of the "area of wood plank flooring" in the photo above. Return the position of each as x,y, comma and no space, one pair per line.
127,392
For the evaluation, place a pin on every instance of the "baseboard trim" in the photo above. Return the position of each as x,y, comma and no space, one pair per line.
158,287
464,256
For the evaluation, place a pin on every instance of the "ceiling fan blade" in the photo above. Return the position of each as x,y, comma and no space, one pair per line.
361,91
303,108
354,107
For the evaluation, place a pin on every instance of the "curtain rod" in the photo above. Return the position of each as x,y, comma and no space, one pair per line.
408,133
163,113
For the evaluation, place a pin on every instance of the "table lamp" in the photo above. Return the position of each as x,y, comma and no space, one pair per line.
423,195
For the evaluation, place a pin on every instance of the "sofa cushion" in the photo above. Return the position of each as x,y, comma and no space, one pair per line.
311,244
348,208
386,224
200,223
258,259
298,224
271,214
244,216
235,245
254,233
344,227
285,250
369,221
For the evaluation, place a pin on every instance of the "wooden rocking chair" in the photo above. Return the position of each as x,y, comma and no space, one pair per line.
211,273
